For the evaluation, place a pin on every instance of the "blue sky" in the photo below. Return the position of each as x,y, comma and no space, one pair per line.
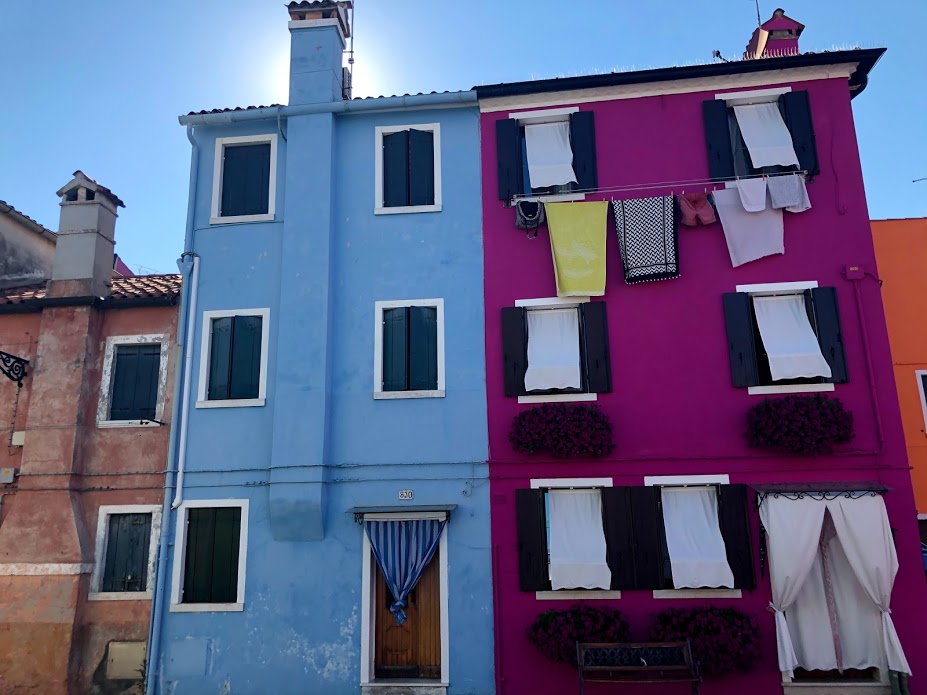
98,85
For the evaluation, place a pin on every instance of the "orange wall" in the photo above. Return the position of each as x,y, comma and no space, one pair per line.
901,253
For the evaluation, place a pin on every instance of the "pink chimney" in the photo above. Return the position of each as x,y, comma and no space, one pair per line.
777,36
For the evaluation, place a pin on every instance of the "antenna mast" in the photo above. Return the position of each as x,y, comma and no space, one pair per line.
759,22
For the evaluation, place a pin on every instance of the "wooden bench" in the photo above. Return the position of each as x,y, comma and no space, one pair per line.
643,662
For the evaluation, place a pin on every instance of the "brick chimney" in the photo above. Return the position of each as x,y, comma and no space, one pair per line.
83,263
777,36
318,32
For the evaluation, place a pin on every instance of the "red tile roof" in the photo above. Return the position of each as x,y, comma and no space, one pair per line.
137,287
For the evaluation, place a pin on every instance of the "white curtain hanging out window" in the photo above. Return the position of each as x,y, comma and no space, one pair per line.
553,350
696,548
550,156
767,138
789,340
577,540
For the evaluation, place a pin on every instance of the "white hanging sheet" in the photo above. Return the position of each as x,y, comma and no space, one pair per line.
550,156
767,138
749,235
752,194
577,540
789,340
693,538
553,350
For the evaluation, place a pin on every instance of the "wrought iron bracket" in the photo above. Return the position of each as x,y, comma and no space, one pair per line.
13,367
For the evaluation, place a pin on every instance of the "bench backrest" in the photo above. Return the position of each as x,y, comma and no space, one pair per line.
642,656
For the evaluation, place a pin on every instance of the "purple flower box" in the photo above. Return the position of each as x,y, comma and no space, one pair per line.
800,425
555,633
563,430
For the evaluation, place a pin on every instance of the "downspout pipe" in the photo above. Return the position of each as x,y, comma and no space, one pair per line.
345,106
189,266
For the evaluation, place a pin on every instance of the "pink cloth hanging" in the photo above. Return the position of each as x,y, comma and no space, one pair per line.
695,209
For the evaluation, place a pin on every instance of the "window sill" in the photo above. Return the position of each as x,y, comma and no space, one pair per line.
400,210
241,219
105,424
555,198
405,686
393,395
576,595
232,403
698,593
559,398
789,388
119,596
207,607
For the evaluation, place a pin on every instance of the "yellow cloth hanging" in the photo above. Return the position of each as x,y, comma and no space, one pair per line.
577,244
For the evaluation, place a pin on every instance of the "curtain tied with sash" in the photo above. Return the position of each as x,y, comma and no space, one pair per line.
403,550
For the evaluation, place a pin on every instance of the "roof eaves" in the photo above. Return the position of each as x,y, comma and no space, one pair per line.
6,208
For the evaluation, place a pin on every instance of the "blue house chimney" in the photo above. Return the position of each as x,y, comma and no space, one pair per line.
318,31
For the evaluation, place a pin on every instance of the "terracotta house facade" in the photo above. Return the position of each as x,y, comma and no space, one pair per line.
676,362
85,401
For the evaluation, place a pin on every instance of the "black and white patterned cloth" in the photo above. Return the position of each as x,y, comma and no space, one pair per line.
648,238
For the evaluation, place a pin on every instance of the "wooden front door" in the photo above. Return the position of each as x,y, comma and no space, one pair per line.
413,649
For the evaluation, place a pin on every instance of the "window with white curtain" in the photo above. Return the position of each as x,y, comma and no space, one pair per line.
553,350
576,540
697,554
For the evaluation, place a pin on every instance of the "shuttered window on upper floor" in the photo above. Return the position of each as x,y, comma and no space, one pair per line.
235,357
125,566
213,538
410,348
136,370
408,174
245,180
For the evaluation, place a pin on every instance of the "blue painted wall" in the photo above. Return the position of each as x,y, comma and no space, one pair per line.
321,444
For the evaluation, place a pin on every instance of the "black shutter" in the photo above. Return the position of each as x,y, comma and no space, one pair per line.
718,139
830,335
582,139
421,167
742,350
146,383
245,372
796,110
211,559
423,348
220,358
224,585
619,536
134,394
508,158
649,538
735,529
531,523
595,341
514,349
245,180
125,567
396,169
396,349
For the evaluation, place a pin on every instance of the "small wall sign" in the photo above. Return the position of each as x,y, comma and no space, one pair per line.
405,494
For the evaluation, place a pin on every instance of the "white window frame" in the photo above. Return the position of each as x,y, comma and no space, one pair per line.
685,481
555,303
102,538
772,288
574,594
379,132
180,556
368,612
753,96
202,400
919,374
106,380
379,307
561,115
215,216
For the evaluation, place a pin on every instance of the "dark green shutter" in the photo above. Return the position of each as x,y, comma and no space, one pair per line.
421,167
423,348
830,334
211,558
220,358
738,318
531,524
582,139
224,584
508,158
125,567
395,349
134,393
595,342
718,139
649,539
245,372
619,536
396,169
735,529
245,180
796,108
514,350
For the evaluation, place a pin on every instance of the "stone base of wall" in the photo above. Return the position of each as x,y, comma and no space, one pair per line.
835,688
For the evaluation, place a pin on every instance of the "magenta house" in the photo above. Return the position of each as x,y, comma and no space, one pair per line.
703,282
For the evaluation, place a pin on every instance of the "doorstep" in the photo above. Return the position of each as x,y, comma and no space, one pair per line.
835,688
407,687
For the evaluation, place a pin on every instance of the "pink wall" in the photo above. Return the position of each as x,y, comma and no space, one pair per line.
673,408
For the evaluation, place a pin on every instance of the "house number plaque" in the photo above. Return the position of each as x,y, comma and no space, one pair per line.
405,494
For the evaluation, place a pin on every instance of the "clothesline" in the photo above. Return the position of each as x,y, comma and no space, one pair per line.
666,184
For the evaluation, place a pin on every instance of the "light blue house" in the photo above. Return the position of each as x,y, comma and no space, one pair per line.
329,442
